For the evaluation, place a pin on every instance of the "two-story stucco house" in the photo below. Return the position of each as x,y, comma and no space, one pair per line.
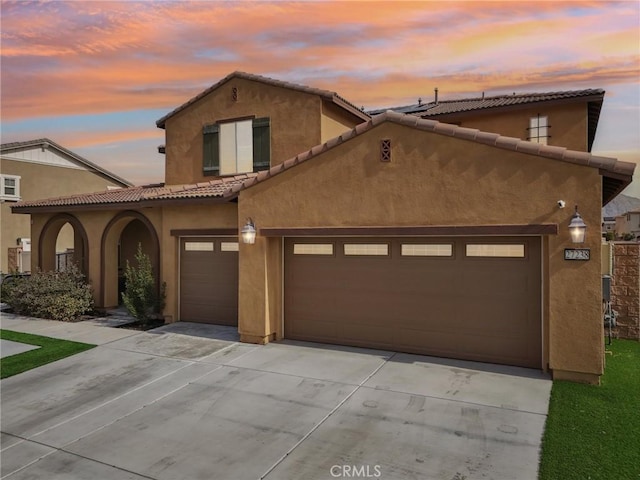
36,169
390,230
628,224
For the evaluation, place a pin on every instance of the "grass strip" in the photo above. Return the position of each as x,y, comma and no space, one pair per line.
593,432
51,349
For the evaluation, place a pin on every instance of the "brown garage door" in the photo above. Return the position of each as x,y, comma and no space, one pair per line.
209,280
469,298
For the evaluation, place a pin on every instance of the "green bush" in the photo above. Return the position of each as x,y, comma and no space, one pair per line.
141,296
54,295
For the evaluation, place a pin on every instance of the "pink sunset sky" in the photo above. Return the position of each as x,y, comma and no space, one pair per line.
94,76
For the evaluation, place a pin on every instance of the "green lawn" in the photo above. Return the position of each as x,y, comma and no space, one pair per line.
593,432
51,350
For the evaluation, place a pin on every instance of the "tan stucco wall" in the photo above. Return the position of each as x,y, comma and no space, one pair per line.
41,181
436,180
334,122
294,115
568,124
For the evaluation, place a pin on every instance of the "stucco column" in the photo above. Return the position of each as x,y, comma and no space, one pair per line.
575,304
252,288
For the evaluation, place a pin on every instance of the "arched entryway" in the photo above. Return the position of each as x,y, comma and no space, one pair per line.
63,240
120,242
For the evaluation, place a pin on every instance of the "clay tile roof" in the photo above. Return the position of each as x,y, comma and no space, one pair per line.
217,188
325,94
445,107
7,148
617,174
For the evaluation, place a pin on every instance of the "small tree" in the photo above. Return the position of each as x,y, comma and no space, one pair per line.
141,297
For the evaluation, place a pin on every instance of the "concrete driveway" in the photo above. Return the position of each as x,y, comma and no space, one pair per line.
187,401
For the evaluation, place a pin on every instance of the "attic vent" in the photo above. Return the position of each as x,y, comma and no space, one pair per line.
385,150
234,94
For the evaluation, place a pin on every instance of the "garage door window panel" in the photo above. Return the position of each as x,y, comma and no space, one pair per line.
229,247
496,250
323,249
366,249
437,250
198,246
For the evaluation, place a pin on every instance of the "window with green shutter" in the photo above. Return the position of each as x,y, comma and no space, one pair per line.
261,144
211,149
236,147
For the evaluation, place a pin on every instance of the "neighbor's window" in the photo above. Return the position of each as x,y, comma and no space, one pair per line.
236,147
10,188
539,129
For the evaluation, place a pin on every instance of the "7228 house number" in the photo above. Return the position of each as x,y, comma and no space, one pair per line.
577,254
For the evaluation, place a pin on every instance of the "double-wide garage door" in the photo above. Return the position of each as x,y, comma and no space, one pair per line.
209,280
470,298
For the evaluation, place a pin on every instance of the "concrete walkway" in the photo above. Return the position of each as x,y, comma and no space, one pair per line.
189,401
9,348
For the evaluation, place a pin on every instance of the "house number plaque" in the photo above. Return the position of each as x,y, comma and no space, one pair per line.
577,254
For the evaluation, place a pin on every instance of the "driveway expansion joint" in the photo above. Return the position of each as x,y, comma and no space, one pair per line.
326,417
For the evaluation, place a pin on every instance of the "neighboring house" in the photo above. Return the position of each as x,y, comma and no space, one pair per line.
392,232
628,223
619,207
41,169
608,226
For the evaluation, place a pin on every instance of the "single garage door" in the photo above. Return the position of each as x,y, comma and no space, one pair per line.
469,298
209,280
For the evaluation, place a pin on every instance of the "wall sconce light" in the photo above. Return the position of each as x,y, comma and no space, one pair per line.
577,228
248,232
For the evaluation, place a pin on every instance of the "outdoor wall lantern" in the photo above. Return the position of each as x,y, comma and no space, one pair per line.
577,228
249,232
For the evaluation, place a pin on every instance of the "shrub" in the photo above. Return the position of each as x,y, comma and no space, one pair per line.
54,295
141,296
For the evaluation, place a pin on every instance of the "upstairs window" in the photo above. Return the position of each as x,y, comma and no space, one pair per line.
539,129
10,188
236,147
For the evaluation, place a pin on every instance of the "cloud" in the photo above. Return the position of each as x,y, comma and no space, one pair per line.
131,55
62,59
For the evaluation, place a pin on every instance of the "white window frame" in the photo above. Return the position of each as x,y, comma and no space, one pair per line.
539,129
15,197
236,147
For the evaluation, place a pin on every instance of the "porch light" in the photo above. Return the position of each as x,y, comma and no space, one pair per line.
248,232
577,228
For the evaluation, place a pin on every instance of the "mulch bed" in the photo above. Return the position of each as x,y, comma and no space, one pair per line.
142,327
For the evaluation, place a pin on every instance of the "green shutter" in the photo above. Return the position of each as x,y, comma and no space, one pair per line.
261,144
211,154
